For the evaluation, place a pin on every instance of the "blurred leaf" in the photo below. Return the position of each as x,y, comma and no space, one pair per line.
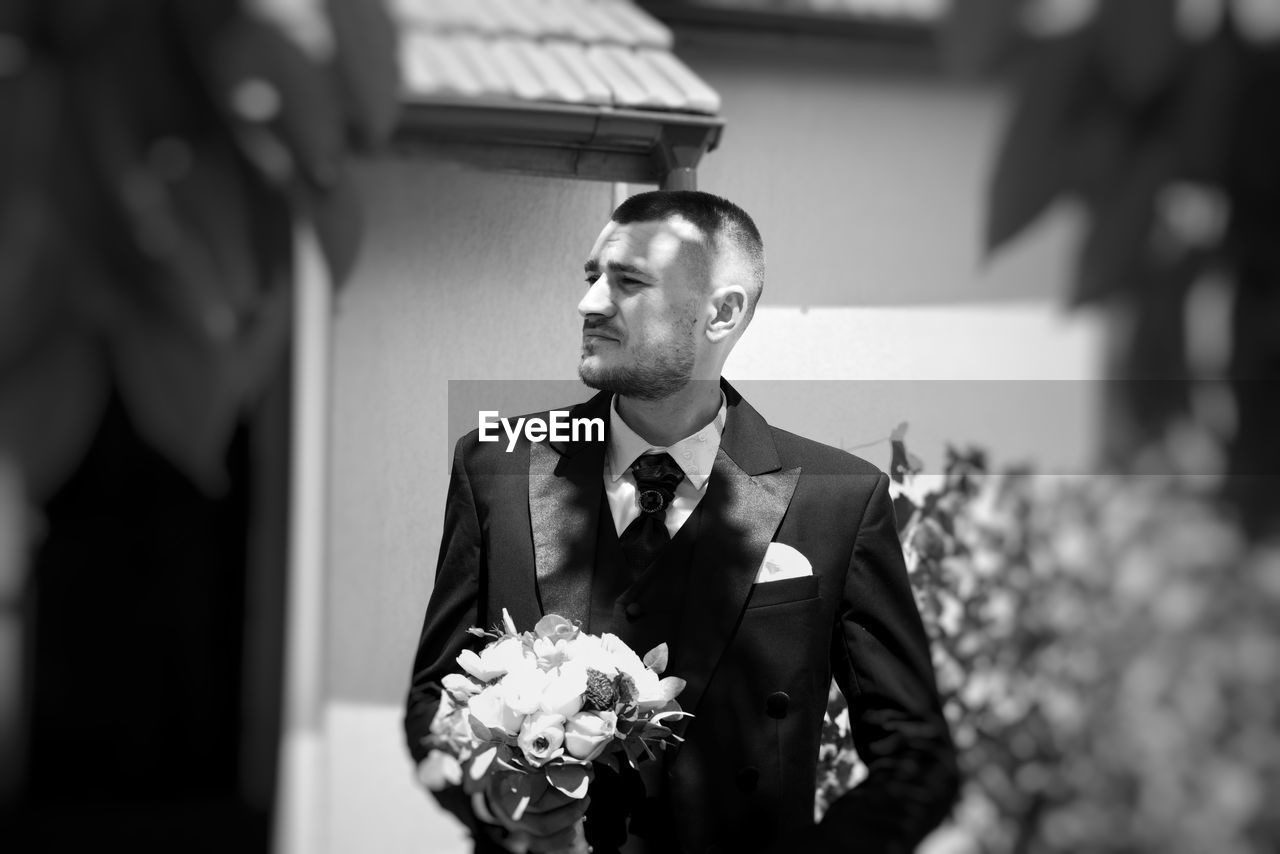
50,406
980,36
213,199
1203,110
366,66
264,80
1154,363
1103,152
32,294
1140,45
180,390
339,224
1113,257
185,392
1032,164
30,148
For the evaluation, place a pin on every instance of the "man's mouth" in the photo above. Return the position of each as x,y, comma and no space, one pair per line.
596,335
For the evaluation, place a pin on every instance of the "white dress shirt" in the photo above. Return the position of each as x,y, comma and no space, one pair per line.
694,454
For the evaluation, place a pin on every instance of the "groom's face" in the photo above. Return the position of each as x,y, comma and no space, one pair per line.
646,284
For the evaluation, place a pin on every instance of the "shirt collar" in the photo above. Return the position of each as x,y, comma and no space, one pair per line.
694,454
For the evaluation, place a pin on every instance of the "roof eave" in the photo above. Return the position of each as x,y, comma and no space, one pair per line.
564,140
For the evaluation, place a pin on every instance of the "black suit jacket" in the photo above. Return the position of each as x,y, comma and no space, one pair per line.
520,533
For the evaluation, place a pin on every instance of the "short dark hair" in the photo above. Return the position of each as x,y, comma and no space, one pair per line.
721,220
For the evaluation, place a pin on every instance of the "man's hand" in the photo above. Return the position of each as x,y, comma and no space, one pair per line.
549,822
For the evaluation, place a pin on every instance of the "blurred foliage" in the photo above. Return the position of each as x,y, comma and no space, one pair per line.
155,159
1106,652
1157,119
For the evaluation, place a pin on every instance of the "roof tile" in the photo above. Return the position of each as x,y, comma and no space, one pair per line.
475,51
607,52
698,95
573,56
626,89
560,83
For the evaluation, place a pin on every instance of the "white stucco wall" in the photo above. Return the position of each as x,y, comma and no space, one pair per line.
866,185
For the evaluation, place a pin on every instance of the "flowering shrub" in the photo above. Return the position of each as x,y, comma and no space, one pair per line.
1106,651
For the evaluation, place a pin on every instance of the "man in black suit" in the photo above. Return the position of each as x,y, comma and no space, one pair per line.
767,562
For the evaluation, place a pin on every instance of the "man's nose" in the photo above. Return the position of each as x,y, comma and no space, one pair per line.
597,299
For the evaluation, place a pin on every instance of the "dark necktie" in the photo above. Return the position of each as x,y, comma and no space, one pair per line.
657,476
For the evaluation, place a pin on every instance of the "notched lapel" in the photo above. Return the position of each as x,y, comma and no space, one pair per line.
741,513
564,510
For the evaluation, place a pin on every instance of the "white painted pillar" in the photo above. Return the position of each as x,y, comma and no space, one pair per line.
301,813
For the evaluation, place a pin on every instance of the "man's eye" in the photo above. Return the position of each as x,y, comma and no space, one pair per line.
591,279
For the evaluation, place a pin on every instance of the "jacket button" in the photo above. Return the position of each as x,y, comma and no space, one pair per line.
776,705
634,610
748,778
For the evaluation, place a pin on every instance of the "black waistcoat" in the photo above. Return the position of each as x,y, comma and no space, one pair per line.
643,612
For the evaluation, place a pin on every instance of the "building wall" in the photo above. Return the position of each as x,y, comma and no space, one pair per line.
866,182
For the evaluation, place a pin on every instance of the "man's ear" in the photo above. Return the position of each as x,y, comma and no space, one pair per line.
729,311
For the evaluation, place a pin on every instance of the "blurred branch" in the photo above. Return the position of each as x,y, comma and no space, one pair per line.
156,156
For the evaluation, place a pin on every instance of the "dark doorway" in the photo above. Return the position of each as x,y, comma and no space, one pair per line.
155,636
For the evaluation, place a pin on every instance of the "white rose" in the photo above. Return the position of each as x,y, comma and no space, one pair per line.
589,651
563,692
491,709
587,734
496,659
459,687
522,689
542,738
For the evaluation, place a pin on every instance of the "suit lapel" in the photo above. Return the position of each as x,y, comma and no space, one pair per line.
746,499
564,510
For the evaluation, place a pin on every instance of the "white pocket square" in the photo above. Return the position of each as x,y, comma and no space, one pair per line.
781,562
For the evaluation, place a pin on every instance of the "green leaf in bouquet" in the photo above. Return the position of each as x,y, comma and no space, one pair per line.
481,731
521,790
572,779
656,660
481,762
505,756
609,759
670,687
671,711
633,748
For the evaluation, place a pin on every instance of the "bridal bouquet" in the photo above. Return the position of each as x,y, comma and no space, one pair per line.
544,705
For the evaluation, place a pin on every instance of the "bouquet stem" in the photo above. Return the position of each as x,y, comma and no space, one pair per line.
578,845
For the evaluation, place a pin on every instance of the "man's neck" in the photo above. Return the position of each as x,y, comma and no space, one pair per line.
664,422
